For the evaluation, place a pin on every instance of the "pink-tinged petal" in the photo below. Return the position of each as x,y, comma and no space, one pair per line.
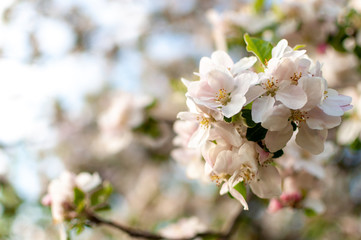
188,116
263,156
279,49
234,106
224,189
292,96
285,70
243,64
199,90
254,92
268,182
261,108
274,205
277,119
310,139
223,59
317,119
229,133
278,139
314,88
205,66
335,104
226,163
199,137
236,194
303,64
220,80
247,154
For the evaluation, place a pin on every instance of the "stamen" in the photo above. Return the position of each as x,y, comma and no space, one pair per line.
222,96
270,86
203,121
295,78
298,116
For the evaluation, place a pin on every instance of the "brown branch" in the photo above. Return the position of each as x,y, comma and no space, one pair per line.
136,233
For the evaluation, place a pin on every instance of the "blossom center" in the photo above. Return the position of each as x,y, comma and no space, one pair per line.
298,116
270,86
203,121
222,96
295,78
219,178
246,173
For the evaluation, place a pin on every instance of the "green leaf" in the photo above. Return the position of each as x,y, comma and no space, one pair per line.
294,126
356,145
241,188
101,195
151,105
278,154
149,127
226,119
79,196
262,49
247,117
299,47
258,5
256,133
309,212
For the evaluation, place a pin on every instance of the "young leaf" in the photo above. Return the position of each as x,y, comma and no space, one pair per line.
247,117
258,5
278,154
262,49
101,196
241,188
309,212
79,196
256,133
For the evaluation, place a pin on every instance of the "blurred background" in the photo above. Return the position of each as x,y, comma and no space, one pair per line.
94,85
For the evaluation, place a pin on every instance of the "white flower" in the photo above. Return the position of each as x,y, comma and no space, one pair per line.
184,228
61,192
87,182
235,165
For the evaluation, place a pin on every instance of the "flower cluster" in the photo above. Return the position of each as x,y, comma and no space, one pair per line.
239,120
73,198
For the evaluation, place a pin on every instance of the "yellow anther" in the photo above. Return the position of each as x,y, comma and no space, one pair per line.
222,96
295,78
203,121
298,116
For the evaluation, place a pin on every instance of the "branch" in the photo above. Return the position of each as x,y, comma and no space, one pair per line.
136,233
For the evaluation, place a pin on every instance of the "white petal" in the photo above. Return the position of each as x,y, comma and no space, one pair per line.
199,137
276,140
314,88
222,58
277,119
317,119
219,79
279,49
244,64
254,92
292,96
234,106
237,195
268,182
310,139
226,163
205,66
261,108
229,133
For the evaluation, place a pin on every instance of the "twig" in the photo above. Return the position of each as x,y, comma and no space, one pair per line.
136,233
